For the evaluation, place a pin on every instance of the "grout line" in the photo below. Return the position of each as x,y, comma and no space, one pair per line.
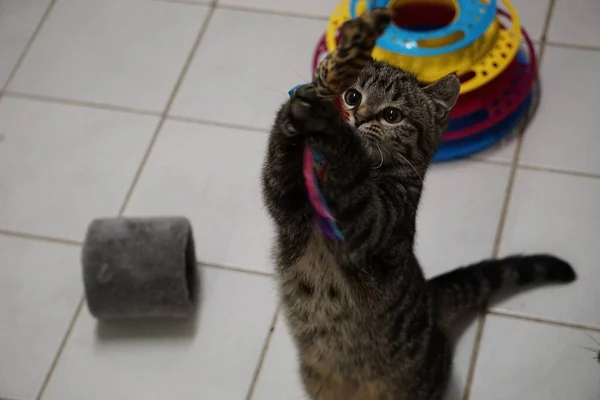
235,269
262,356
507,198
32,38
573,46
582,174
43,238
165,112
549,14
495,251
69,242
187,2
193,120
540,320
61,348
281,13
474,355
81,103
483,160
216,123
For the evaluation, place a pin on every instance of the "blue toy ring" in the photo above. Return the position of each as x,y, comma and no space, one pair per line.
472,20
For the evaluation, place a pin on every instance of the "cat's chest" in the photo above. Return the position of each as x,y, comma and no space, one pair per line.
314,289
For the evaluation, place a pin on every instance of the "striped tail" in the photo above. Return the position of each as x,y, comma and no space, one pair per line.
464,289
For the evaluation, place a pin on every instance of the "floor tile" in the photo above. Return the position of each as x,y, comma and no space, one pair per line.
463,352
459,214
61,166
40,288
246,86
211,358
279,377
576,22
566,128
121,52
526,360
321,8
18,21
211,175
532,14
556,213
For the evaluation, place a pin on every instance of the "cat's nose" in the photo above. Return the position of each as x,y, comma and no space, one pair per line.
359,120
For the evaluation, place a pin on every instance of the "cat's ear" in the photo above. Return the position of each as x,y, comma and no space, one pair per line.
444,93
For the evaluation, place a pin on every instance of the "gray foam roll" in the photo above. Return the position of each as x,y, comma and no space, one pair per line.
139,268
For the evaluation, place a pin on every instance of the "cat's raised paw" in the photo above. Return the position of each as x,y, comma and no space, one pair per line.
311,114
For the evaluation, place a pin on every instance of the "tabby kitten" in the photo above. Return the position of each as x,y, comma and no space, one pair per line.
366,322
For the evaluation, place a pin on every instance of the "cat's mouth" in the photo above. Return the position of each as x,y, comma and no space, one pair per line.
368,135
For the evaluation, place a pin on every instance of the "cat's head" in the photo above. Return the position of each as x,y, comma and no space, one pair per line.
400,118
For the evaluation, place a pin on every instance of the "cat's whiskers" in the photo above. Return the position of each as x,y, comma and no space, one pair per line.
273,90
411,165
380,154
593,339
303,79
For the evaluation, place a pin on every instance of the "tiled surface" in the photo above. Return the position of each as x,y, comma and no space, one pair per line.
17,24
526,360
319,8
532,15
576,22
212,175
557,213
566,129
127,53
457,216
170,361
279,377
241,76
63,164
40,288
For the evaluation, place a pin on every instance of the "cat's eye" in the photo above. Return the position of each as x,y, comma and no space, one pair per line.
352,97
392,115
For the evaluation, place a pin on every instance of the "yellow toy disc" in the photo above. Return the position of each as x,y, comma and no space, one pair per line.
477,63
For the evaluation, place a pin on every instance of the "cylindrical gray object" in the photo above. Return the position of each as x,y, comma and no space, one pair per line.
140,268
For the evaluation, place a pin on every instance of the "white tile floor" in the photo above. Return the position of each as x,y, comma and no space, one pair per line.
145,107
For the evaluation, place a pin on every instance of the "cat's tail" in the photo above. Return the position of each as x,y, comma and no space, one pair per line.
465,289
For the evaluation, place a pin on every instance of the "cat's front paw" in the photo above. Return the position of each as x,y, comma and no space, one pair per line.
312,115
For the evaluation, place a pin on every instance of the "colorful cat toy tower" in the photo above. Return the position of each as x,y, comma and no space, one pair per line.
481,40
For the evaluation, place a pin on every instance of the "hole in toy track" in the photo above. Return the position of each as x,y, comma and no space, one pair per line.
422,17
419,17
467,76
